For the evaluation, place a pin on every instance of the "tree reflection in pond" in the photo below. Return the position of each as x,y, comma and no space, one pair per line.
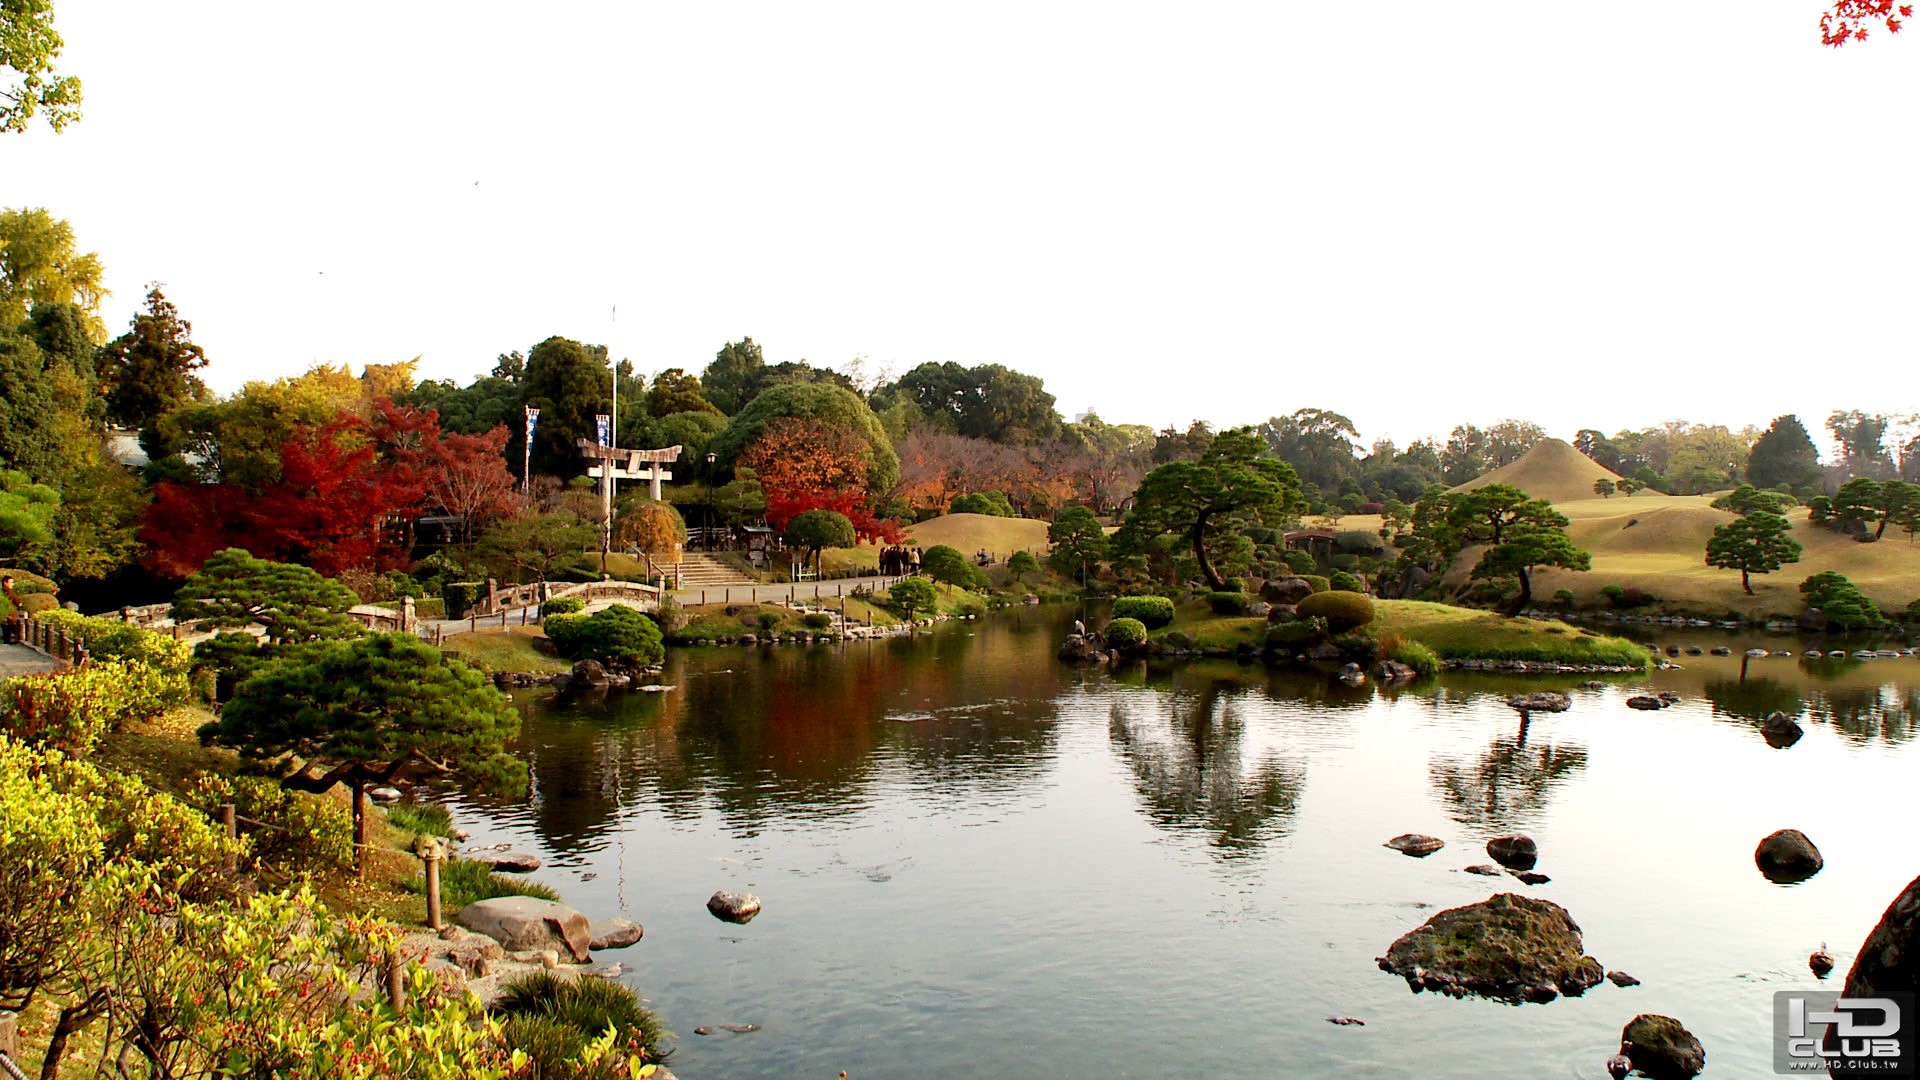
1754,698
1197,772
1508,785
1865,713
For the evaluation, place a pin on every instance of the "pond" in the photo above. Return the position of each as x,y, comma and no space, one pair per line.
977,861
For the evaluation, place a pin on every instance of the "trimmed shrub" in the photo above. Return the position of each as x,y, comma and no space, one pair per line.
1320,584
34,603
1562,598
1845,606
1227,603
1341,581
945,564
111,639
460,596
992,503
1153,612
71,710
817,620
1126,634
1022,563
618,634
1299,562
1343,611
562,605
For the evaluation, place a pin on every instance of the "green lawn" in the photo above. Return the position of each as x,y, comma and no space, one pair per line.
512,649
1469,634
1453,633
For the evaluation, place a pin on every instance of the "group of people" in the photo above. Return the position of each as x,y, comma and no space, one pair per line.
898,561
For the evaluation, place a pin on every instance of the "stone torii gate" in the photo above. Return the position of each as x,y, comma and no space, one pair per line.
622,464
611,464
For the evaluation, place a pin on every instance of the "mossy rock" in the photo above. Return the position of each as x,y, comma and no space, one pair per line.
1508,947
1661,1048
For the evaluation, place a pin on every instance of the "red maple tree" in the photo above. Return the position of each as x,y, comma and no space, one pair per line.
346,498
1849,20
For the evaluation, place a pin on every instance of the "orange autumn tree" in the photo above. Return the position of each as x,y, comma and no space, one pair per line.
803,465
1849,20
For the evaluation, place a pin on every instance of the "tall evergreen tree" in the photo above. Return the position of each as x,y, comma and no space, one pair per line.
1784,454
149,370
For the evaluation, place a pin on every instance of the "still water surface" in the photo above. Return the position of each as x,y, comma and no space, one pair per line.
977,861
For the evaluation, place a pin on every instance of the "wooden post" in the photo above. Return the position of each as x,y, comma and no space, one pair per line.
231,821
432,856
703,598
396,980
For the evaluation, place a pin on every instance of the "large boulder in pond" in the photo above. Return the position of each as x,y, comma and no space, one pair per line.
615,933
1288,590
1508,947
588,675
1661,1048
1787,856
521,923
733,907
1890,957
1516,852
1417,845
1780,730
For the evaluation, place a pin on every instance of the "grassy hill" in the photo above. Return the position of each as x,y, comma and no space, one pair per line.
1552,470
966,532
971,532
1658,543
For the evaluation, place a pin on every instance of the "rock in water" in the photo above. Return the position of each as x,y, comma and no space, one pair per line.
1508,947
614,933
1545,701
506,862
1890,957
1484,870
1781,731
1645,702
1528,877
1787,857
733,907
1661,1048
1515,852
1622,979
1390,671
1415,844
523,922
1820,963
588,674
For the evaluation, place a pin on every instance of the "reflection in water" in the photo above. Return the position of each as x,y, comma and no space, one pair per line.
1195,771
1870,712
1753,698
771,735
1506,787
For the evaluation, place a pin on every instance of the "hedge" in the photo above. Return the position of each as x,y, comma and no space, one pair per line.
1227,603
112,639
1126,634
71,710
1343,610
1153,612
460,596
1319,583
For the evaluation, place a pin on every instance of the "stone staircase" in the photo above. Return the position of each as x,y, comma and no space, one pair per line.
699,570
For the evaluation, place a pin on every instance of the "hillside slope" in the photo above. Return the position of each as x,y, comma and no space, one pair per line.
1552,470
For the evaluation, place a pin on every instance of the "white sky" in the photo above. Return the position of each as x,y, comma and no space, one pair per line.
1599,215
